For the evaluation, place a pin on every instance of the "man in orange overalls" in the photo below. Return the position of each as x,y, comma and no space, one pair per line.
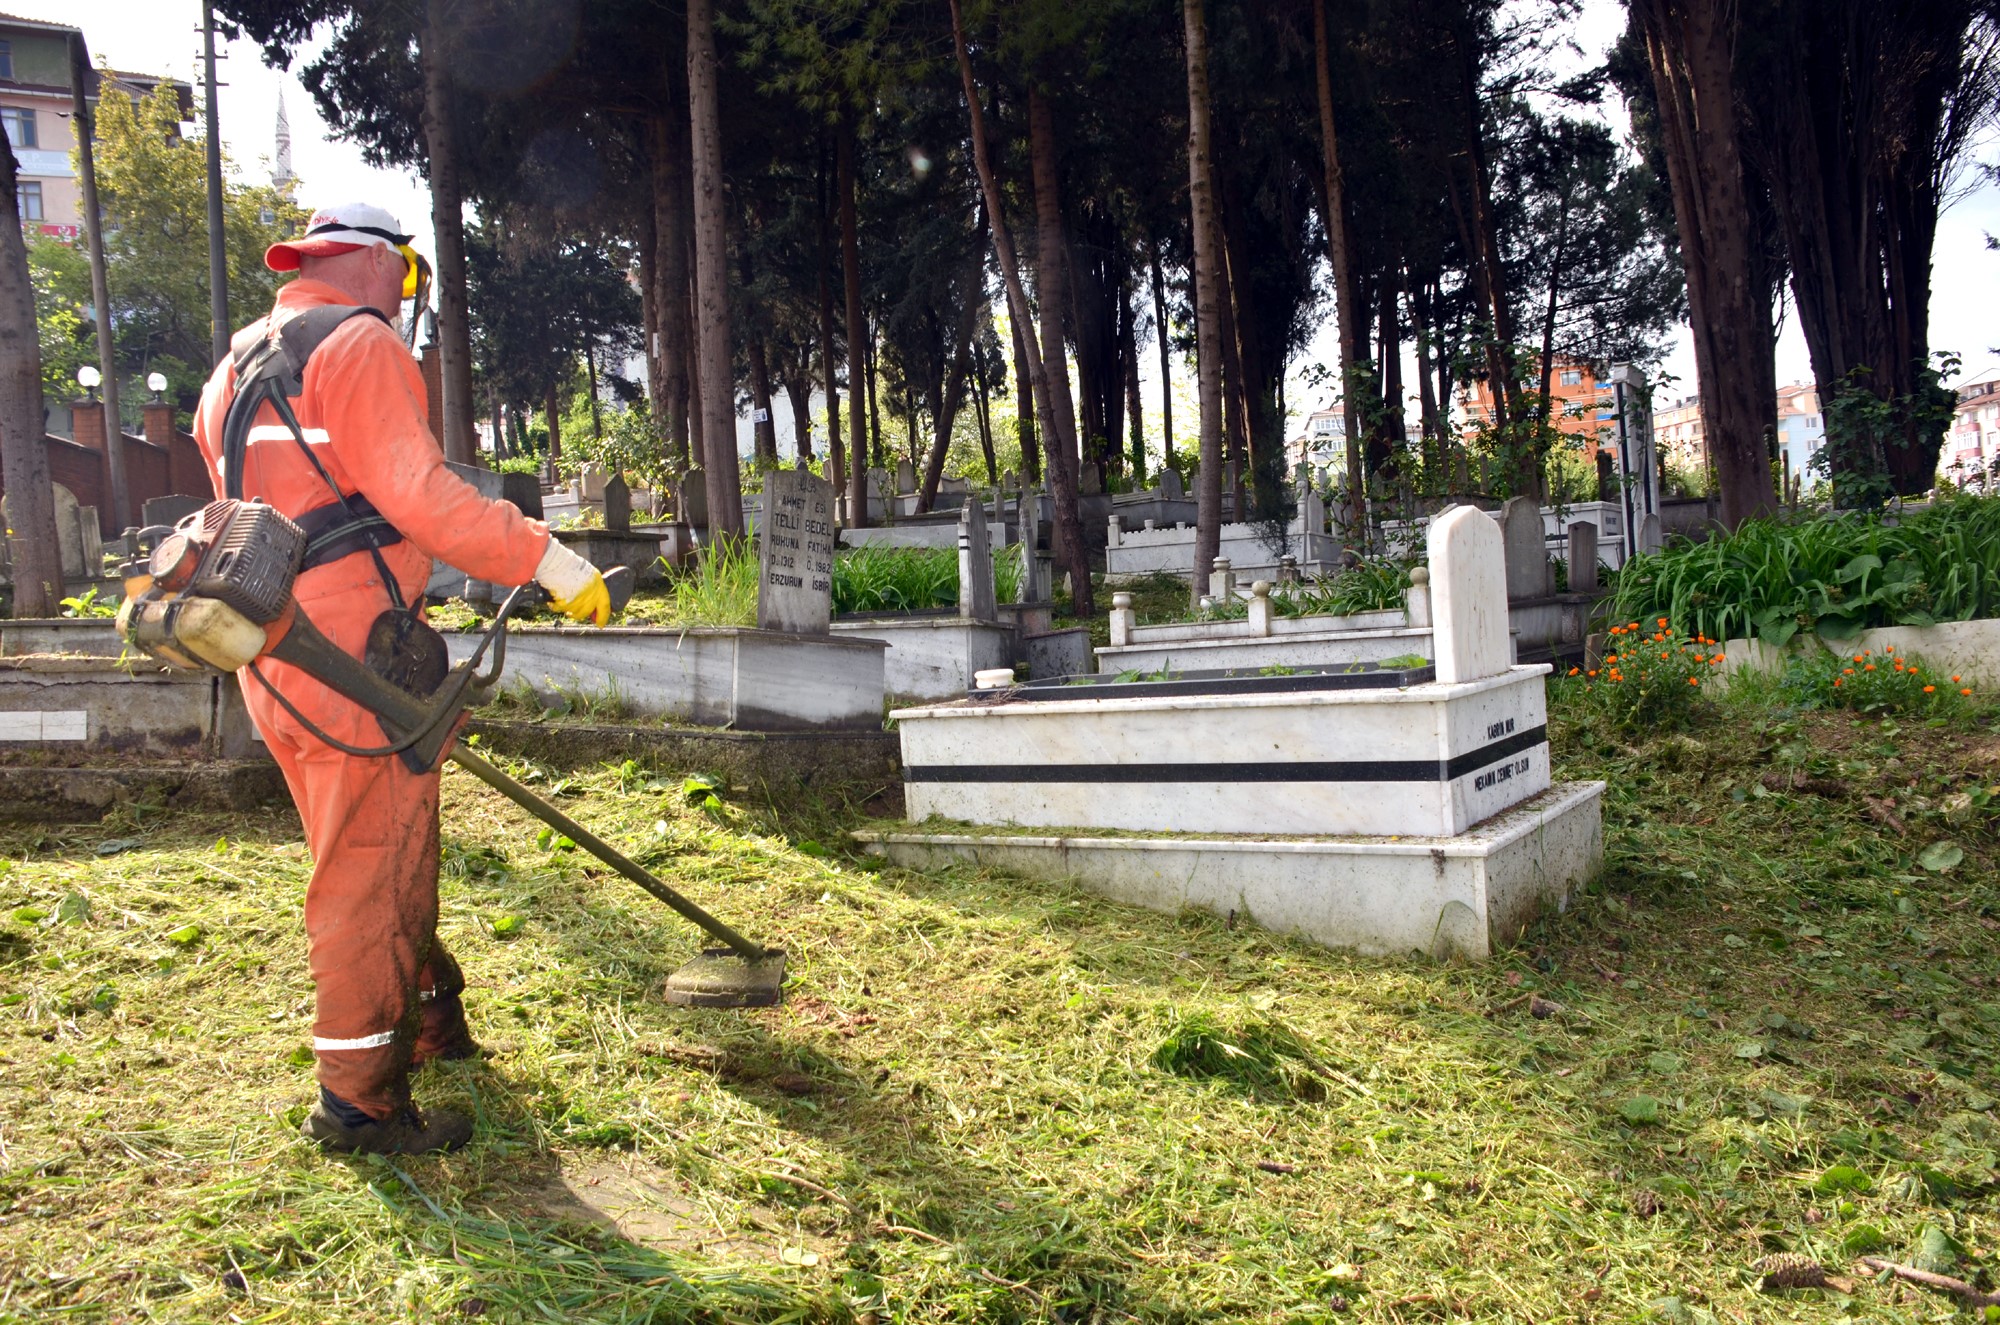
387,991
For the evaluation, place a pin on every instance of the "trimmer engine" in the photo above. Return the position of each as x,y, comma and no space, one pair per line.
210,587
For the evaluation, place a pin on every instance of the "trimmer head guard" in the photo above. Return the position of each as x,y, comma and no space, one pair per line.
724,978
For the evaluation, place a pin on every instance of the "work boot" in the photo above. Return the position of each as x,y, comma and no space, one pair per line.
457,1048
337,1125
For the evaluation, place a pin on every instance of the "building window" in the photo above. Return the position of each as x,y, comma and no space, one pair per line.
1572,377
20,123
28,194
6,59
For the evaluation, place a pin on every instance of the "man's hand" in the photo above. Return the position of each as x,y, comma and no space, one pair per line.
576,589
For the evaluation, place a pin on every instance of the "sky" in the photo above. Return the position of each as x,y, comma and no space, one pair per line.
163,37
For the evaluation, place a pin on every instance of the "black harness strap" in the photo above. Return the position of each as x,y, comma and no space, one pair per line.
270,369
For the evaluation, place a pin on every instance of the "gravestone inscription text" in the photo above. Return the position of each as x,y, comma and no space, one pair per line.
795,554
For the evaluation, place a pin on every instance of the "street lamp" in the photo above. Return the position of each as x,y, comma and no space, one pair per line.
88,378
156,383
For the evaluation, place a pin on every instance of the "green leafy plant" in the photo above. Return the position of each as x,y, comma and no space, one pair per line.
1871,681
88,604
1650,679
1834,575
911,579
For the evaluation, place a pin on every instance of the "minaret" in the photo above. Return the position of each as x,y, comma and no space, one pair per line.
281,164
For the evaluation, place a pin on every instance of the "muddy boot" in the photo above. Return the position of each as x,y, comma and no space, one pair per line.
337,1125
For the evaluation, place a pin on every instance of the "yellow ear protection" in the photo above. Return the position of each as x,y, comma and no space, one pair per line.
417,273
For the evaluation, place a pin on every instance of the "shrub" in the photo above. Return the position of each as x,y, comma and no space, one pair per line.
911,579
1871,681
1835,575
1650,679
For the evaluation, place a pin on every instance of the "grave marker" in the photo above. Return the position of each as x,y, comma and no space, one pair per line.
1468,596
694,499
617,504
975,565
1171,487
1582,557
795,554
906,476
1527,552
1090,480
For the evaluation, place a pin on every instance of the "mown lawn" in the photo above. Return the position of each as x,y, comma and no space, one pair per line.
1769,1028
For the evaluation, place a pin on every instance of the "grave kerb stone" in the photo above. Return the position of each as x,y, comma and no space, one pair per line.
795,554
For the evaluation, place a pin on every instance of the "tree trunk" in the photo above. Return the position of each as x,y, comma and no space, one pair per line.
1129,352
711,262
764,425
1545,411
1688,48
1340,252
952,399
1062,475
1051,280
1166,359
1208,296
1492,275
980,398
798,390
1024,408
83,117
551,410
448,229
836,440
875,445
1235,405
857,334
1437,447
30,524
671,201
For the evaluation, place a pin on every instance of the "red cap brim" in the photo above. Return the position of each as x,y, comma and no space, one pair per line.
285,256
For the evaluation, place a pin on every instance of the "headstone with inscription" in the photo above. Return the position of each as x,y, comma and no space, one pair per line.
906,476
795,554
1526,550
1171,487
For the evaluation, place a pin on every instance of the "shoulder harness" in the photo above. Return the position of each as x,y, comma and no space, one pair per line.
270,369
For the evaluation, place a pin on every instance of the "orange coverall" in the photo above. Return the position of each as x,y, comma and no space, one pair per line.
372,825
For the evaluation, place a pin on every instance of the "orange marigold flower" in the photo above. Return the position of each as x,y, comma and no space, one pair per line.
1845,671
1929,689
1592,672
1694,680
1663,621
1860,657
1966,691
1574,670
1954,680
1716,661
1836,683
1869,668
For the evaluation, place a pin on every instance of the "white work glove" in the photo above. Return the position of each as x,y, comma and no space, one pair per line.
576,588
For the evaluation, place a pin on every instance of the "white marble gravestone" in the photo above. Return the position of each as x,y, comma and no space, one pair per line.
1468,596
795,554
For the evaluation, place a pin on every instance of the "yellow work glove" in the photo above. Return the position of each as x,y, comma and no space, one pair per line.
576,588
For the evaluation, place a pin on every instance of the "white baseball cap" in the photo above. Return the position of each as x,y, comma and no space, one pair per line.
340,229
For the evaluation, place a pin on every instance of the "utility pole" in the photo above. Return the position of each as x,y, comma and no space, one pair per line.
218,261
100,294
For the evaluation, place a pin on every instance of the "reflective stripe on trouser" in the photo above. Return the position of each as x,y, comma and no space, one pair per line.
371,906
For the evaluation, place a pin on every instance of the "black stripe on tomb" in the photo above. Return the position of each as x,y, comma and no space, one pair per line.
1347,770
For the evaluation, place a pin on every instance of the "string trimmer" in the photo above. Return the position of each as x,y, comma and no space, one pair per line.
216,594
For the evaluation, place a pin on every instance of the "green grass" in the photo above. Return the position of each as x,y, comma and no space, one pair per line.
988,1100
1835,574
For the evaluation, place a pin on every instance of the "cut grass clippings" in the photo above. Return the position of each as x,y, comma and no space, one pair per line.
1768,1030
